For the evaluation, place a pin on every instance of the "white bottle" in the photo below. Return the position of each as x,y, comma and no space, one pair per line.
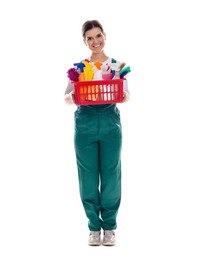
116,76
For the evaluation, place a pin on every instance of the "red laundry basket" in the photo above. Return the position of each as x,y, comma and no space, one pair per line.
98,91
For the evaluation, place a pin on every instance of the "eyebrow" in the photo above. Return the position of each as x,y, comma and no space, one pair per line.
99,34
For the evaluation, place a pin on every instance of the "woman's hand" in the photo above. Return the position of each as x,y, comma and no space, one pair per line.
126,96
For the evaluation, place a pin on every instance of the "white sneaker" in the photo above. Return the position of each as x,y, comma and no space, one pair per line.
109,238
94,238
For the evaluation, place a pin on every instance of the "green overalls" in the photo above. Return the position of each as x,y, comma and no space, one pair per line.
98,142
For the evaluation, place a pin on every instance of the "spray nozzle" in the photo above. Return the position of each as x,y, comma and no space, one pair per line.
79,66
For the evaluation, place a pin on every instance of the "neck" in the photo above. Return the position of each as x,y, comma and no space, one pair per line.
101,57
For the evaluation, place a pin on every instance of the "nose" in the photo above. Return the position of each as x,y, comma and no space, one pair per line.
95,40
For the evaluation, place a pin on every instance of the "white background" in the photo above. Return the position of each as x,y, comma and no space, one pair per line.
41,213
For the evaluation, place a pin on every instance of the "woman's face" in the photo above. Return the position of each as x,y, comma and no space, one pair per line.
95,40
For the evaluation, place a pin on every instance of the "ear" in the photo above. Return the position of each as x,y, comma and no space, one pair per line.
104,35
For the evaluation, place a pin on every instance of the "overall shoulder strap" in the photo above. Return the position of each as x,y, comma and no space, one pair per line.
113,60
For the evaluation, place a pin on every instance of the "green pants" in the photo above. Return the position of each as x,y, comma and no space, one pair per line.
98,141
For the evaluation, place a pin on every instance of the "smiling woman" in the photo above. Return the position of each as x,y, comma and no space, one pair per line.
94,38
98,143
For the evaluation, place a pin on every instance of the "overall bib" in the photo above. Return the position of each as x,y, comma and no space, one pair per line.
98,143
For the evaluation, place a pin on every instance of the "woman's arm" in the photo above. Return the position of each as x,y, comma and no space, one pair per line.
69,94
126,93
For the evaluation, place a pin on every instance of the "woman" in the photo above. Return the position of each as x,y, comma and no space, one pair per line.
98,142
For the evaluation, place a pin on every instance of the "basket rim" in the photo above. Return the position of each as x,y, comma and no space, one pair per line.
99,81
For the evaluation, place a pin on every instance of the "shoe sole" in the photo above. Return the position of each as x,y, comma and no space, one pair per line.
109,244
94,244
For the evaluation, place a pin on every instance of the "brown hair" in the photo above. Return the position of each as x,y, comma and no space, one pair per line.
88,25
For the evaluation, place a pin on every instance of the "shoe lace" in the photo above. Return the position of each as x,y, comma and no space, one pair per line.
109,234
94,234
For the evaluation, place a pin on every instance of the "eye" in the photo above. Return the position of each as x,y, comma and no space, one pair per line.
89,38
99,35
